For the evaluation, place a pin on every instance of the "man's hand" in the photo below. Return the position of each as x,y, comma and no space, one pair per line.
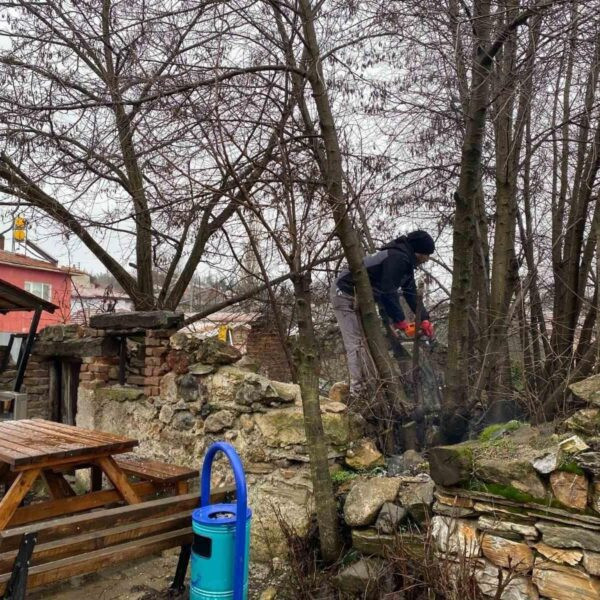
399,328
427,329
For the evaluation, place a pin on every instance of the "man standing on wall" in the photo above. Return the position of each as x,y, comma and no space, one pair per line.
389,270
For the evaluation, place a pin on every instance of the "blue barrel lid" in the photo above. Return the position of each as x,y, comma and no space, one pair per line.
218,514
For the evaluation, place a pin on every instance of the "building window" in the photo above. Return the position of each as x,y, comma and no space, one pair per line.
41,290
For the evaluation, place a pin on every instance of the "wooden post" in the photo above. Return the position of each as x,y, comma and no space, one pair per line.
28,346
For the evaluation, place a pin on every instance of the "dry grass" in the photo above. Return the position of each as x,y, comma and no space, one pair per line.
411,569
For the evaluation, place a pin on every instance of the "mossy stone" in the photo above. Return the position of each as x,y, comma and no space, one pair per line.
451,465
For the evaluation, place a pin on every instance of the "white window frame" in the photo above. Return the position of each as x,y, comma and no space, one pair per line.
37,288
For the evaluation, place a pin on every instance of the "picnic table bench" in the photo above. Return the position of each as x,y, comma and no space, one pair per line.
50,540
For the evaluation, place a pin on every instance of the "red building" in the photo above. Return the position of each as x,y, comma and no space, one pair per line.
44,279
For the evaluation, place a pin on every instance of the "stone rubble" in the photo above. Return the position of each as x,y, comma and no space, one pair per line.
523,505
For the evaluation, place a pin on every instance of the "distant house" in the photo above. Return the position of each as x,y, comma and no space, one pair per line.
89,299
42,278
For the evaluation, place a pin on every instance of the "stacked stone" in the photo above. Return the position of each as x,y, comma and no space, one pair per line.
383,512
210,393
540,552
525,502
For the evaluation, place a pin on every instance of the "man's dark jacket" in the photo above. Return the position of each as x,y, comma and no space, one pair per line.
391,268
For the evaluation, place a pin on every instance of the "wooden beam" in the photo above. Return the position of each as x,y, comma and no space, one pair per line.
100,559
95,540
118,479
40,511
57,485
65,458
17,491
96,478
63,527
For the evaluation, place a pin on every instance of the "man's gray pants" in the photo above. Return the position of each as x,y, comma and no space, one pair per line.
360,363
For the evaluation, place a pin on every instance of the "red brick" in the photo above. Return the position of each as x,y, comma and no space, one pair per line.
156,351
85,377
36,372
154,381
106,360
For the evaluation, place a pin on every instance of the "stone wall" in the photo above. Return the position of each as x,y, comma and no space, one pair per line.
529,499
519,505
208,395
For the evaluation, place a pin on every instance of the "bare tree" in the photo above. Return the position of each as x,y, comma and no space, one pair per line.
109,114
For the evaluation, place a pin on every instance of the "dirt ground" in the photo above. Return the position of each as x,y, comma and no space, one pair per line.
146,579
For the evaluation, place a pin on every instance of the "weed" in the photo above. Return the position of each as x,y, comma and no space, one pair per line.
570,466
339,477
492,432
308,578
422,572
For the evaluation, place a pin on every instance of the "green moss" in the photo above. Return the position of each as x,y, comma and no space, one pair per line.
515,495
491,432
505,491
342,476
570,466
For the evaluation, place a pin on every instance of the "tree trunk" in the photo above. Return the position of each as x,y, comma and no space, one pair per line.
307,365
454,423
347,234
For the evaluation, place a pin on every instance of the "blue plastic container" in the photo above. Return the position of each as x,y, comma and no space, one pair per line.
221,548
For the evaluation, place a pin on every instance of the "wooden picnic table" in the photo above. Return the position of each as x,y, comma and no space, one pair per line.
37,449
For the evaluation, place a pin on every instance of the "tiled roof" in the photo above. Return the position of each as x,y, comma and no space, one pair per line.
27,262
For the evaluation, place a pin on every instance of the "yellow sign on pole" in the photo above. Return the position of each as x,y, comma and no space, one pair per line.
20,229
223,332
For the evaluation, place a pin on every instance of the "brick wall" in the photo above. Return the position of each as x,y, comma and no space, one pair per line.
264,346
99,370
36,384
148,364
145,365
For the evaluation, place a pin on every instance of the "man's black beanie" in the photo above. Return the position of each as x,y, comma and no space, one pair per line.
421,242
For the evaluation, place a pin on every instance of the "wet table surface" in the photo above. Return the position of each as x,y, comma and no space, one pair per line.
33,449
37,442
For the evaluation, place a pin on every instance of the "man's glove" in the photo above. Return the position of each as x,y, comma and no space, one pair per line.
427,329
401,325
